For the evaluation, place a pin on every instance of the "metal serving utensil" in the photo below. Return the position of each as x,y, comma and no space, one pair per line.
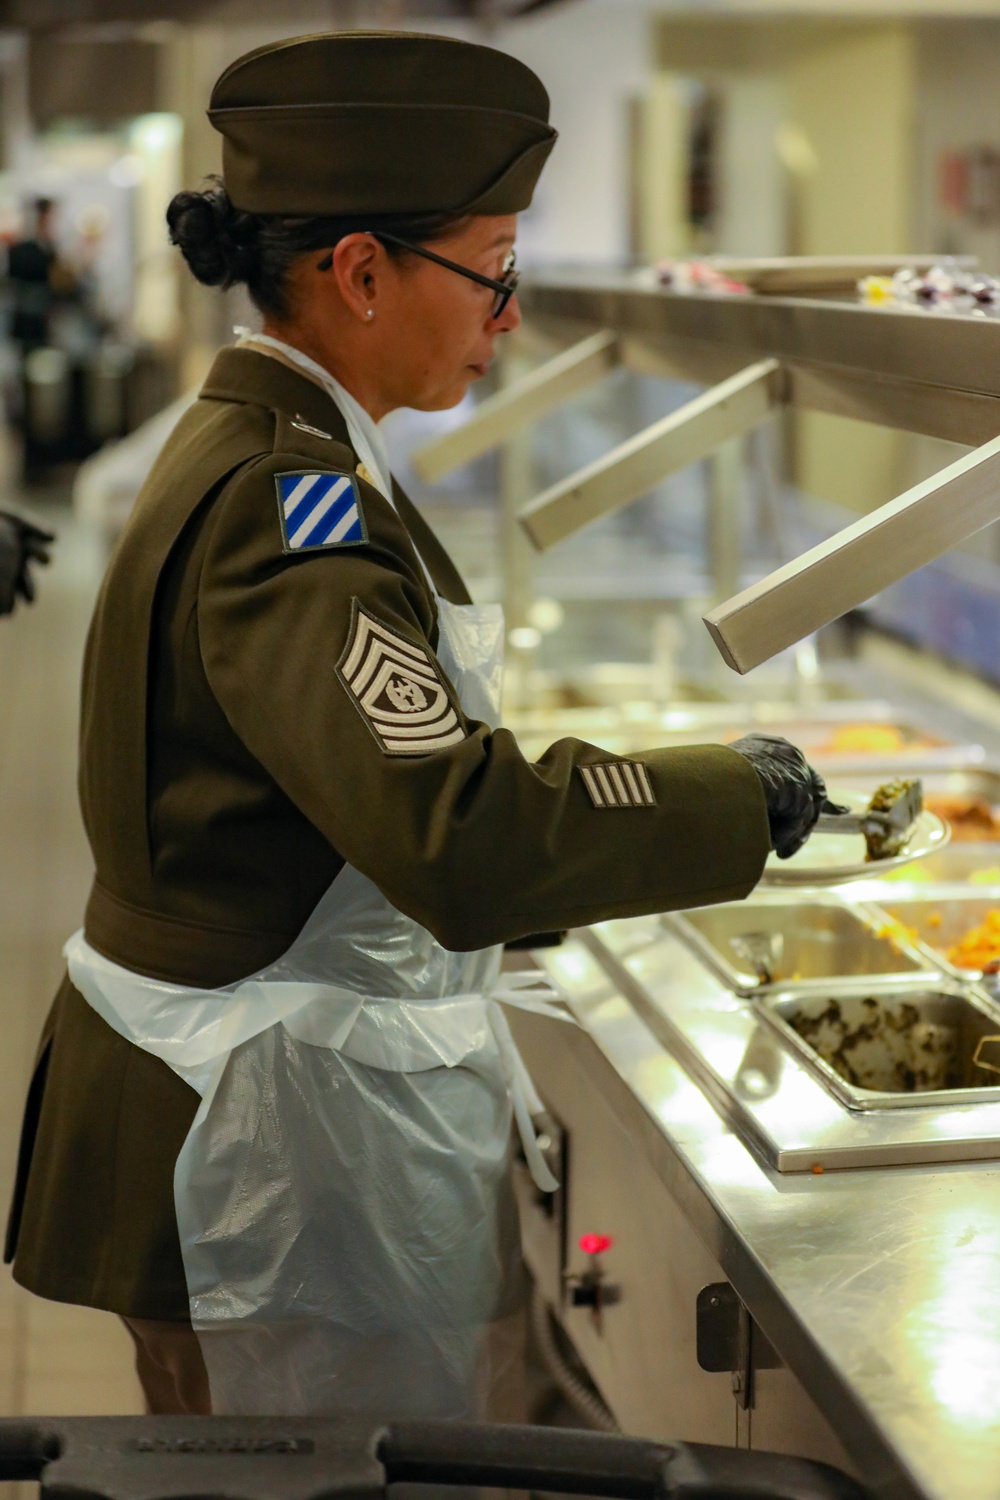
890,825
761,950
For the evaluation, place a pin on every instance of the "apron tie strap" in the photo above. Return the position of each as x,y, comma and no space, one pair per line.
533,991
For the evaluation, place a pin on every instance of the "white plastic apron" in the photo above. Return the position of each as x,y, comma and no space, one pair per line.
344,1196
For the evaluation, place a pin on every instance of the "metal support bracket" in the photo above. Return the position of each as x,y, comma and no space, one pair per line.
862,559
728,1339
519,404
691,433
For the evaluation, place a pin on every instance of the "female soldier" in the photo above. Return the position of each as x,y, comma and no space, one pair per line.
291,771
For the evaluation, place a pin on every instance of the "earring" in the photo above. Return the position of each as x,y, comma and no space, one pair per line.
370,313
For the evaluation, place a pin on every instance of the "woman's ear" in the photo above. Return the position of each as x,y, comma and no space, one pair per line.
359,264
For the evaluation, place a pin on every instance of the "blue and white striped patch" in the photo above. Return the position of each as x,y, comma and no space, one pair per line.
320,510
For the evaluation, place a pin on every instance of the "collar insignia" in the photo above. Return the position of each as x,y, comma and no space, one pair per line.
300,423
320,511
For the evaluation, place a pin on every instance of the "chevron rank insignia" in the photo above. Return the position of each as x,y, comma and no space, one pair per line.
320,511
399,690
618,783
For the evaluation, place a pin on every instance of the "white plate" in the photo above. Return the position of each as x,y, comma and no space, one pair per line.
829,858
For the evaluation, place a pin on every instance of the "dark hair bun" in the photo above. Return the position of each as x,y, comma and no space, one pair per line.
218,241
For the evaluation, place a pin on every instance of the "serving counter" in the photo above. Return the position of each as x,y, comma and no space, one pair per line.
854,1228
877,1288
801,1256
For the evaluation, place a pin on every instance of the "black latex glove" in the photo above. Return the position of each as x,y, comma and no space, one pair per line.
794,793
21,544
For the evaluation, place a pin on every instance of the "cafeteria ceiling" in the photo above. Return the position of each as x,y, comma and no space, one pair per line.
104,16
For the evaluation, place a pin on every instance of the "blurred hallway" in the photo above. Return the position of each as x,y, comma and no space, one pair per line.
52,1358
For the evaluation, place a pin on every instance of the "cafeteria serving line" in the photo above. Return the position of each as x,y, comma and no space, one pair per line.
797,1094
535,948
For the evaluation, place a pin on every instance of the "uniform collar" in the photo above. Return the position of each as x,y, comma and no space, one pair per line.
366,439
255,379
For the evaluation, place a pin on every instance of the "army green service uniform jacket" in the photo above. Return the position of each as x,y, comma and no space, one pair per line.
232,758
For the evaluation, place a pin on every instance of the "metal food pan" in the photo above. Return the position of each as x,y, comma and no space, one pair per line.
890,1047
817,940
635,726
971,865
937,921
980,781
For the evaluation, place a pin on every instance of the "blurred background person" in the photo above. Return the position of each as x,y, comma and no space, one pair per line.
36,277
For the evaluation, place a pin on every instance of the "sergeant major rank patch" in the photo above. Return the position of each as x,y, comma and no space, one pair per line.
398,689
320,510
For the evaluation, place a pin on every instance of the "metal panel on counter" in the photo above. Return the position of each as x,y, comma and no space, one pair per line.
938,374
776,1101
879,1288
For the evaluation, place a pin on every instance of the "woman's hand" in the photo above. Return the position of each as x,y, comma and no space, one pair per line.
21,544
795,794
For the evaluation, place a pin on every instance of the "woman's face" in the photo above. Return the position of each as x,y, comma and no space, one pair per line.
436,329
396,329
399,330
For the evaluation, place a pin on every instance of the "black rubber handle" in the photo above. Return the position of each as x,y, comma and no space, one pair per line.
551,1458
303,1458
25,1449
595,1463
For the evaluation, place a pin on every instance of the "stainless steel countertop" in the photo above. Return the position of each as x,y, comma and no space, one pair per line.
880,1287
931,346
775,1099
922,369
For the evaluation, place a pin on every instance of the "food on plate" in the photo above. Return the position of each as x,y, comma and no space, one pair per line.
901,800
972,819
980,945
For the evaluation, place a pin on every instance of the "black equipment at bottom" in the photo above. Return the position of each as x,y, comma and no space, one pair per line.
300,1458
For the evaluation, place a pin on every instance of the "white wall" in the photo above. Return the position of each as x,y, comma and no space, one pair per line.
753,208
591,55
959,108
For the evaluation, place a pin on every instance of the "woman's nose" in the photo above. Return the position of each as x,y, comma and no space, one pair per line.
509,319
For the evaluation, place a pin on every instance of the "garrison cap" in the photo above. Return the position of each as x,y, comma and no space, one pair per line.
348,123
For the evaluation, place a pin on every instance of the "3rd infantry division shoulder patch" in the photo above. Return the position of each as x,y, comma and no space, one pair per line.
320,511
398,689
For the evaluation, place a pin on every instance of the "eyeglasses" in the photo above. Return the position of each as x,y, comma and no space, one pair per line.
504,288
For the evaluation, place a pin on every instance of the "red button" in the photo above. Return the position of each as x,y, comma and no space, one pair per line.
594,1244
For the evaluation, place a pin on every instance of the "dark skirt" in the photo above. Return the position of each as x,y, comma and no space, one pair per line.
92,1219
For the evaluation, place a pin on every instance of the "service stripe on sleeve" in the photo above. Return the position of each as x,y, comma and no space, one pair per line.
618,783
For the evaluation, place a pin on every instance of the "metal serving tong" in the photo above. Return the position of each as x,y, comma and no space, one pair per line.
887,825
761,950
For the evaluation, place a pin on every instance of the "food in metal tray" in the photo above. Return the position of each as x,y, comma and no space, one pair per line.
874,739
887,1047
972,819
980,946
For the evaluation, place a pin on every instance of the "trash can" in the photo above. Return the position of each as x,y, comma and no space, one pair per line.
105,392
48,395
